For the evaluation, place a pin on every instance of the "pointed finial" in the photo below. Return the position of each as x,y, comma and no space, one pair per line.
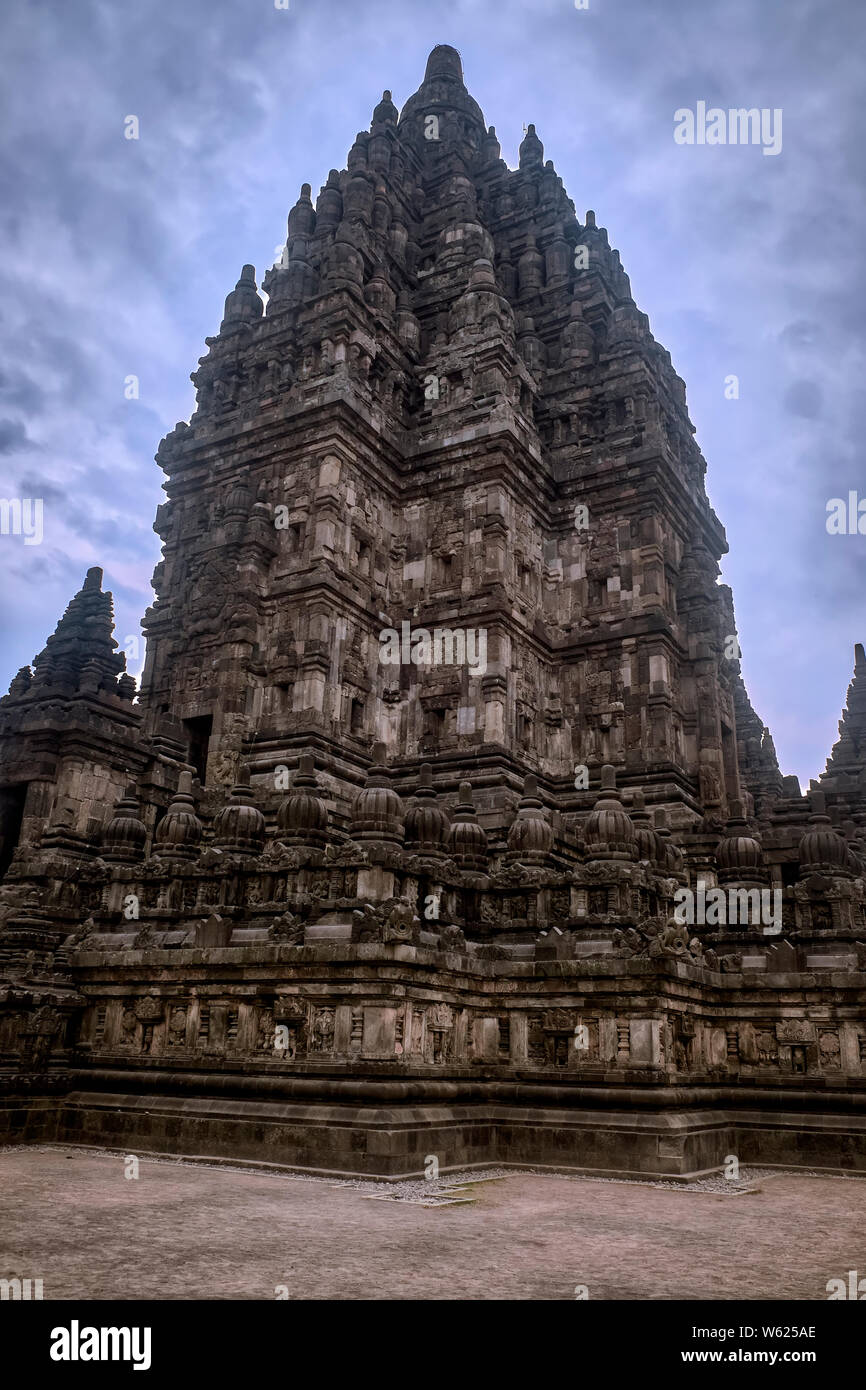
385,113
243,302
531,151
444,61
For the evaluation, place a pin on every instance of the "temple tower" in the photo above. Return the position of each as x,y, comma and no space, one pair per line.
451,415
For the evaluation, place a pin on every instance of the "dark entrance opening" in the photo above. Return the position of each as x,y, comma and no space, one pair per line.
11,815
199,732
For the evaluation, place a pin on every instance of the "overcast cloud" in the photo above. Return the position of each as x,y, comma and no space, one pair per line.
117,256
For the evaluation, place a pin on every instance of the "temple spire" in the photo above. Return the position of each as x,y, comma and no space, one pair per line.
81,651
848,757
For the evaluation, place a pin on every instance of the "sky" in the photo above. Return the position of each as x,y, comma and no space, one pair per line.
117,255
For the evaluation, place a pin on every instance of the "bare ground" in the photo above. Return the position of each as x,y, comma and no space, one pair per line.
195,1231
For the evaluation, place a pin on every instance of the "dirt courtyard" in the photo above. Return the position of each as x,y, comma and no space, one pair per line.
195,1231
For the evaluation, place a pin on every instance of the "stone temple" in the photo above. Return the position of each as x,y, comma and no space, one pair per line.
327,898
